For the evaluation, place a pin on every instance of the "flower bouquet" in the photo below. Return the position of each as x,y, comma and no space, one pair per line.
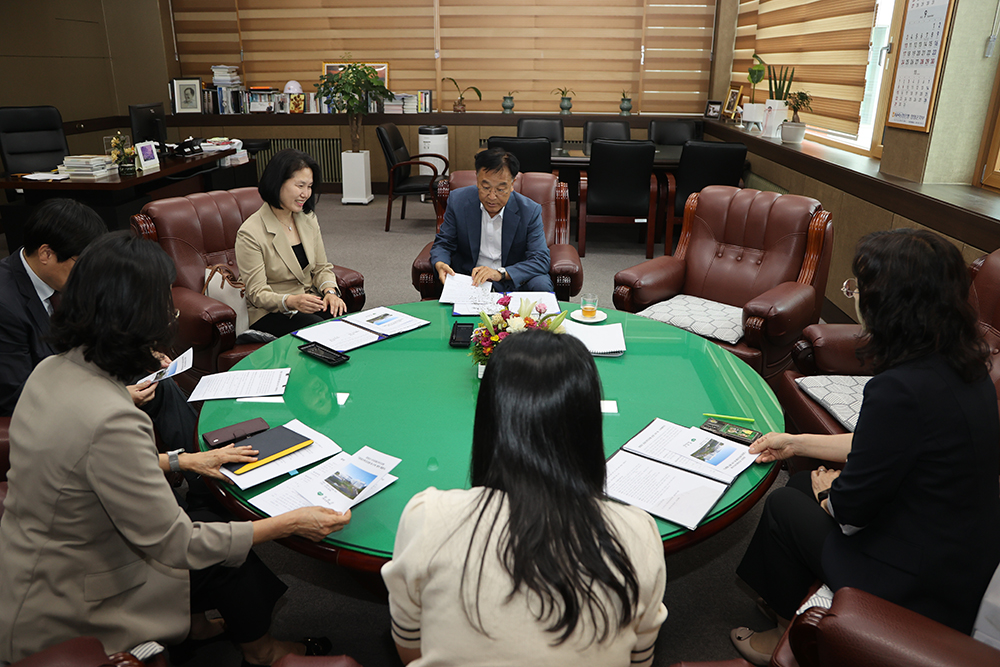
123,154
530,315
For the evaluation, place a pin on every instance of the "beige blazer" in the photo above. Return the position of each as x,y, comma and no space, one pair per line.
92,541
267,263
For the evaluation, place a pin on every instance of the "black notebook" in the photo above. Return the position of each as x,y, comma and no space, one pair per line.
271,445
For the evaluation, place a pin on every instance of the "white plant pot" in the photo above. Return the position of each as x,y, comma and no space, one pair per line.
793,133
357,177
775,114
753,113
480,370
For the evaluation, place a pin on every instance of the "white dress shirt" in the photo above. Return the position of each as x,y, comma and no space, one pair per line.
41,287
490,240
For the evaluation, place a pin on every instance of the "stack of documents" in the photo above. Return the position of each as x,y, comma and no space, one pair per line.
674,472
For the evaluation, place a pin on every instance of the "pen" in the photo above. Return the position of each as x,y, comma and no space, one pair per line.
739,419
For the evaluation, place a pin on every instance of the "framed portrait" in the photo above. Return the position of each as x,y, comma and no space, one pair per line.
381,70
146,152
187,95
713,109
732,101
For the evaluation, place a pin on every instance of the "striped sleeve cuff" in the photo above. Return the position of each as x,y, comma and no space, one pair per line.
405,637
642,656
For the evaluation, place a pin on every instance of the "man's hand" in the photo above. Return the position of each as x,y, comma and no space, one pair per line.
304,303
443,271
142,393
481,274
207,464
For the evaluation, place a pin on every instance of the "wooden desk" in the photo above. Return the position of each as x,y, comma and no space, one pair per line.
117,198
577,154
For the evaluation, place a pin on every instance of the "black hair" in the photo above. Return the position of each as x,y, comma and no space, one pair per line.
65,225
913,295
537,442
117,305
496,159
280,168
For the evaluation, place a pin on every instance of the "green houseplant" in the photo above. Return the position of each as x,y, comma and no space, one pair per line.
799,101
459,105
755,74
351,89
779,84
566,103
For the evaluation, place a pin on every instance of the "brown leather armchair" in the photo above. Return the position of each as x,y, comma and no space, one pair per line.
544,189
85,652
766,253
197,231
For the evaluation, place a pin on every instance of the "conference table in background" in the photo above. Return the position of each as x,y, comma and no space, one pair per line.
577,154
413,396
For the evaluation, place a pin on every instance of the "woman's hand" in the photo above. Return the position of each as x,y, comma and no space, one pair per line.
304,303
334,304
141,393
773,447
207,464
315,523
822,479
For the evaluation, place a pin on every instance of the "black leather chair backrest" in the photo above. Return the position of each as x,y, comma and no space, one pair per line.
394,149
675,132
618,177
31,139
606,129
706,163
533,153
550,128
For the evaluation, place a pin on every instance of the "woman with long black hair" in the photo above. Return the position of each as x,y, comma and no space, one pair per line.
533,564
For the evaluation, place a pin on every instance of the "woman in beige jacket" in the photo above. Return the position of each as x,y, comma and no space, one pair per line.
92,540
280,253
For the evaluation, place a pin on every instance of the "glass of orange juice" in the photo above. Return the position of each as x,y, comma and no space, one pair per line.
588,304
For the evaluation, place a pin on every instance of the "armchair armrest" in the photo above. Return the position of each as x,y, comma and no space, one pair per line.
829,349
566,270
785,309
203,318
436,156
441,201
292,660
415,163
652,281
423,276
352,287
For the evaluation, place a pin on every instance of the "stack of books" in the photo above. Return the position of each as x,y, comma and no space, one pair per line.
394,105
88,167
424,98
226,75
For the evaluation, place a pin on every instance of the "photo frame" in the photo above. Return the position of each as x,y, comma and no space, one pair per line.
381,70
146,153
732,101
713,109
186,94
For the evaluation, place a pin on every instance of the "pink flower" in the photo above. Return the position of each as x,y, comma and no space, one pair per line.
540,308
504,300
503,334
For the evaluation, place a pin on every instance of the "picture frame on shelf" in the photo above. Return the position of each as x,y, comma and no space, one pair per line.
146,154
186,94
713,109
381,70
732,101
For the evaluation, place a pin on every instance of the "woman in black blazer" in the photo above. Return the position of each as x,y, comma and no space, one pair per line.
914,516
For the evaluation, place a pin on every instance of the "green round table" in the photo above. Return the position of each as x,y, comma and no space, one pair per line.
414,397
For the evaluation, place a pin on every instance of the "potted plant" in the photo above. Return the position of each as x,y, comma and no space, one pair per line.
795,131
753,114
459,106
508,102
123,154
566,103
351,89
626,104
779,84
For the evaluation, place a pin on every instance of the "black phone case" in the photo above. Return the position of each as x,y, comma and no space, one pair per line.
461,334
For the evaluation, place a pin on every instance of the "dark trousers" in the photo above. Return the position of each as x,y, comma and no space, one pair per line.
783,559
278,324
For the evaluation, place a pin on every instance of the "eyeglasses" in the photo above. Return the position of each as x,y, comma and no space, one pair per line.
499,190
850,288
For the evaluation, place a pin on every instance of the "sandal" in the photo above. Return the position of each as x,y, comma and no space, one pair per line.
741,640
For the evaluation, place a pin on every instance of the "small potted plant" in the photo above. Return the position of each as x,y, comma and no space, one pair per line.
795,131
626,105
779,85
459,106
508,102
753,114
123,154
566,103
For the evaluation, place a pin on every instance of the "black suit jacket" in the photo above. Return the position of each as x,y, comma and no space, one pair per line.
24,323
921,481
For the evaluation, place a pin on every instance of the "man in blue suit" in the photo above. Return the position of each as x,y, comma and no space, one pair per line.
493,233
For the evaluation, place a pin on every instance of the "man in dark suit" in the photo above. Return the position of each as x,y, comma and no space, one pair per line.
493,233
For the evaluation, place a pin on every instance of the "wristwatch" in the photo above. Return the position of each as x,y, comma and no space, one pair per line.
503,273
175,463
823,495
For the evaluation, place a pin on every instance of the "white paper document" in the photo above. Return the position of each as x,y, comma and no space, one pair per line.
343,486
669,493
385,321
458,288
45,176
178,365
491,308
321,448
285,497
692,449
240,384
603,341
337,335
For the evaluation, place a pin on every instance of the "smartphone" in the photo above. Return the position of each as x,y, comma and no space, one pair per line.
461,334
323,353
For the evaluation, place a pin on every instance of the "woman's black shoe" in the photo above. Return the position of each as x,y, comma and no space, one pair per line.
314,646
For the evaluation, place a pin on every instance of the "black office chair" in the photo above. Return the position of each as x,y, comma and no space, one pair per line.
550,128
398,162
606,129
675,132
702,163
533,154
31,139
618,186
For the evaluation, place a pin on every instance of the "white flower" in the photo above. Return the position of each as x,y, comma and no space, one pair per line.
515,324
497,319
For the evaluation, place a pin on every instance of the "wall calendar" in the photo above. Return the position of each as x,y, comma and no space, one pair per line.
918,64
